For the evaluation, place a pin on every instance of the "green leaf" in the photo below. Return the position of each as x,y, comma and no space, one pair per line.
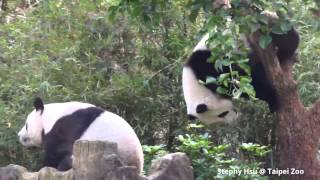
225,82
225,62
113,2
245,67
195,125
236,93
245,79
285,26
281,27
218,65
263,18
264,41
247,88
136,11
210,80
193,14
223,76
254,27
276,29
222,90
44,86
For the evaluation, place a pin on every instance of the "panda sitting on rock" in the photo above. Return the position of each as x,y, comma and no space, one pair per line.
57,126
205,104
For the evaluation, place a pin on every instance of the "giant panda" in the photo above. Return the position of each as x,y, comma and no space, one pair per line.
205,104
57,126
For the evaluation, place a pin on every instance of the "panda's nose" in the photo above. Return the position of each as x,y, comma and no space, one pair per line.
191,117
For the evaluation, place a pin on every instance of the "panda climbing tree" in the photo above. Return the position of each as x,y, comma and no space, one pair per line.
249,51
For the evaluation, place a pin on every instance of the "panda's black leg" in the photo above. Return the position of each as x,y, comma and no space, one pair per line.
201,108
65,164
287,44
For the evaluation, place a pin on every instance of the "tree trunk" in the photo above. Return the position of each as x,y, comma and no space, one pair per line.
298,135
4,5
298,128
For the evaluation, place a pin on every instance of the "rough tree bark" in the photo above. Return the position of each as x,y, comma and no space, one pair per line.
298,127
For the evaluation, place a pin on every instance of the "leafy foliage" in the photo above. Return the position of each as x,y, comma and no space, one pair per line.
152,153
207,159
70,51
127,56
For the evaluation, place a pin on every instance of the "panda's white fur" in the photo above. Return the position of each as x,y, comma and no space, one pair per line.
30,133
196,93
38,121
106,126
115,129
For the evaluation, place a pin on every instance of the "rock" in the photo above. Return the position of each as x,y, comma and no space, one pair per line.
125,172
48,173
174,166
12,172
98,160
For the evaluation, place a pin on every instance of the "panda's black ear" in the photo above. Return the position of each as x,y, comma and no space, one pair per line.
38,104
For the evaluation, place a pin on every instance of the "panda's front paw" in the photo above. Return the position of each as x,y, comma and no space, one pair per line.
65,164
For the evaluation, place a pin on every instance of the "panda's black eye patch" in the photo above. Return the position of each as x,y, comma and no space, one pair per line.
221,115
201,108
